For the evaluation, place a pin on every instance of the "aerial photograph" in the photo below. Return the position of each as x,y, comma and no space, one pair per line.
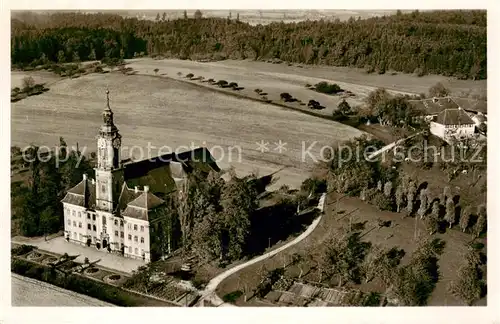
248,158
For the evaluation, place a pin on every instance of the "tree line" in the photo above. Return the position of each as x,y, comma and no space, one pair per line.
36,203
451,43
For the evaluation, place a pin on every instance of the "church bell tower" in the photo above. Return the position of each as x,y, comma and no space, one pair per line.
108,171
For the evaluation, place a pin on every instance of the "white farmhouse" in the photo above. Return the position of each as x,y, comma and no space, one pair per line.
452,123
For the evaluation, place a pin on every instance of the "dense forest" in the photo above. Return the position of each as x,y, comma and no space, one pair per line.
451,43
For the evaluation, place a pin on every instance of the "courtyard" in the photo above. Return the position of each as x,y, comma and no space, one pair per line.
59,245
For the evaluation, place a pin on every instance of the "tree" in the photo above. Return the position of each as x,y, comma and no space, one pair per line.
399,197
343,258
49,221
481,221
157,17
431,224
423,204
438,90
465,219
435,210
344,107
412,284
164,16
185,14
446,194
61,57
238,201
28,83
388,189
92,55
381,263
467,287
156,70
198,14
450,212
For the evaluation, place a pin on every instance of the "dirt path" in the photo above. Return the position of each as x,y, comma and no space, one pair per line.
209,292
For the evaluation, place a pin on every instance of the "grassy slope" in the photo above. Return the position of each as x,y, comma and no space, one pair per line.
402,236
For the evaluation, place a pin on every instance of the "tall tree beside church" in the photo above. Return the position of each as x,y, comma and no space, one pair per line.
238,201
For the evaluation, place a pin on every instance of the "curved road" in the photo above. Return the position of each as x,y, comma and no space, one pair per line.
209,292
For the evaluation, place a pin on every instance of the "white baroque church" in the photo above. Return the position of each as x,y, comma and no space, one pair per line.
123,209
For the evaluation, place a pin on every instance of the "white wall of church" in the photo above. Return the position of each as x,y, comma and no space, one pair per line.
75,223
137,240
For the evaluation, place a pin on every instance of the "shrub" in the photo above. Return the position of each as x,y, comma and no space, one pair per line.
419,72
325,87
313,185
313,104
233,85
189,75
344,107
222,83
382,202
285,96
22,249
258,91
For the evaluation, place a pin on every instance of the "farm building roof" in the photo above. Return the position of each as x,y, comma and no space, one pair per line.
433,106
454,117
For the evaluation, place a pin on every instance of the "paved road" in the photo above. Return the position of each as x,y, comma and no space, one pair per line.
209,292
31,292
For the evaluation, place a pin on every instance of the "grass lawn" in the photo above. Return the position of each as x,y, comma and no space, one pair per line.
401,234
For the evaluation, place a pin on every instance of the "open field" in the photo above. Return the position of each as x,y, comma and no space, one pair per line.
277,78
31,292
159,112
402,231
39,76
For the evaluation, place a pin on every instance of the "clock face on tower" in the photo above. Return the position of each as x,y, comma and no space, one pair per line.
117,142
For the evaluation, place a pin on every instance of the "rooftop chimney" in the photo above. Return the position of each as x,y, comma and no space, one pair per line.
84,176
146,188
136,189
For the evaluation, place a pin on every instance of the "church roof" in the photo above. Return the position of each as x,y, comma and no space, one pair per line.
160,173
146,201
137,204
454,117
83,194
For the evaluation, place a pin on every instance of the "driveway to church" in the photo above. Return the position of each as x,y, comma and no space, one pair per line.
59,245
209,292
